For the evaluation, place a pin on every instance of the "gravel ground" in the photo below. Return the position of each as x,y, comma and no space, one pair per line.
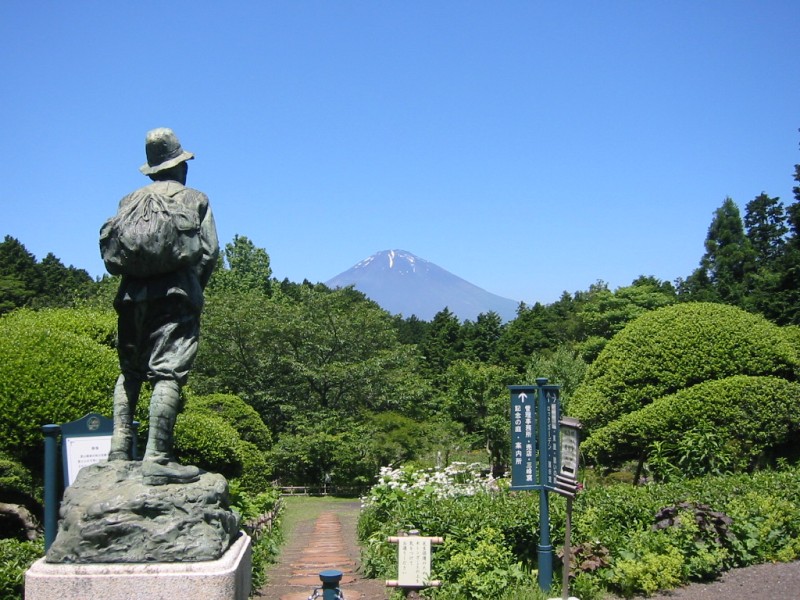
771,580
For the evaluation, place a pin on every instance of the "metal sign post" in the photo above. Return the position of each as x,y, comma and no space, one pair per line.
535,411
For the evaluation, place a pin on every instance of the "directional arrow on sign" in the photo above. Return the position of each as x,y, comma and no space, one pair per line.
523,396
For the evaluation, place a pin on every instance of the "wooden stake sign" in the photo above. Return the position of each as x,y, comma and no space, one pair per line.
414,561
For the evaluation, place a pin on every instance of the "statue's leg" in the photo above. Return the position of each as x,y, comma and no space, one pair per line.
158,466
126,395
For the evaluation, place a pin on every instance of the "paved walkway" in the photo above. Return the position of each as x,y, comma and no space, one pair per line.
314,546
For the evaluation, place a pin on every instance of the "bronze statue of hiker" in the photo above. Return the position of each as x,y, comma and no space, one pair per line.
163,242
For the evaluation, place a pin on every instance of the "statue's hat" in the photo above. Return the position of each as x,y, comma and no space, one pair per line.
163,151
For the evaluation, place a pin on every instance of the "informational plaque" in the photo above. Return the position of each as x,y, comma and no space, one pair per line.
414,561
84,451
84,442
569,452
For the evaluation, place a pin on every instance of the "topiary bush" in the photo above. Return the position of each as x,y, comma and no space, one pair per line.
235,411
207,441
96,324
742,417
211,443
677,347
52,370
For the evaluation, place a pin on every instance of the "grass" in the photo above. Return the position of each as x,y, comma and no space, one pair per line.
299,509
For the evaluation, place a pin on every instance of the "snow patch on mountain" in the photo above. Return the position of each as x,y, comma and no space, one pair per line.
405,284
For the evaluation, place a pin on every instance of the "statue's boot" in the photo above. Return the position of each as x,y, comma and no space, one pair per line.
159,466
126,395
155,473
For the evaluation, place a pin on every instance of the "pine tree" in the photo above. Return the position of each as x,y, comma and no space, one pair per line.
728,262
765,221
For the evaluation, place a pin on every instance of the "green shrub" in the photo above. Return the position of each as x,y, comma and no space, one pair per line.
676,347
480,568
256,475
99,325
49,374
713,427
767,527
235,411
15,558
646,572
209,442
628,539
16,483
260,518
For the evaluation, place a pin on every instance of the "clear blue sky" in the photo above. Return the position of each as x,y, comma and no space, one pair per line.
528,147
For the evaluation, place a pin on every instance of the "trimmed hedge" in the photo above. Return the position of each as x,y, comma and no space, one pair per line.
677,347
210,442
55,366
95,324
750,414
235,411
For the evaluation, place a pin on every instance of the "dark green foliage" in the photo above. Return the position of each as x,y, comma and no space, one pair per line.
325,351
397,439
728,261
765,222
24,282
52,370
442,344
563,367
17,485
61,285
536,328
482,337
410,330
328,450
677,347
477,397
13,293
20,279
744,419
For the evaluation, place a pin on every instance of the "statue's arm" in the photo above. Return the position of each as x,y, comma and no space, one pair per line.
210,243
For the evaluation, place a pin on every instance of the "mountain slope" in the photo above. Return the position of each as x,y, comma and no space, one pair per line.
402,283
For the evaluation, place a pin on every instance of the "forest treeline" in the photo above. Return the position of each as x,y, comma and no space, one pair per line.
344,388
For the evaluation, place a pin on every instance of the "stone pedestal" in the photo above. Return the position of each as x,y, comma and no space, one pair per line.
227,578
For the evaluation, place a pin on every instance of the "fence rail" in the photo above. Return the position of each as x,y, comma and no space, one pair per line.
349,491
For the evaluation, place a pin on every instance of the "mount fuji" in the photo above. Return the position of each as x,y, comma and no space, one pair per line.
405,284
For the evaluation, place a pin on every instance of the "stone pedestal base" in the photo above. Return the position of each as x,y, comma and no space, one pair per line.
228,578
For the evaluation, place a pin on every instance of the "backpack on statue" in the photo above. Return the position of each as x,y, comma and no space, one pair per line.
152,234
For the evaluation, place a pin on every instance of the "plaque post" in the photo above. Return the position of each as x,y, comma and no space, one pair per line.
51,432
545,548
